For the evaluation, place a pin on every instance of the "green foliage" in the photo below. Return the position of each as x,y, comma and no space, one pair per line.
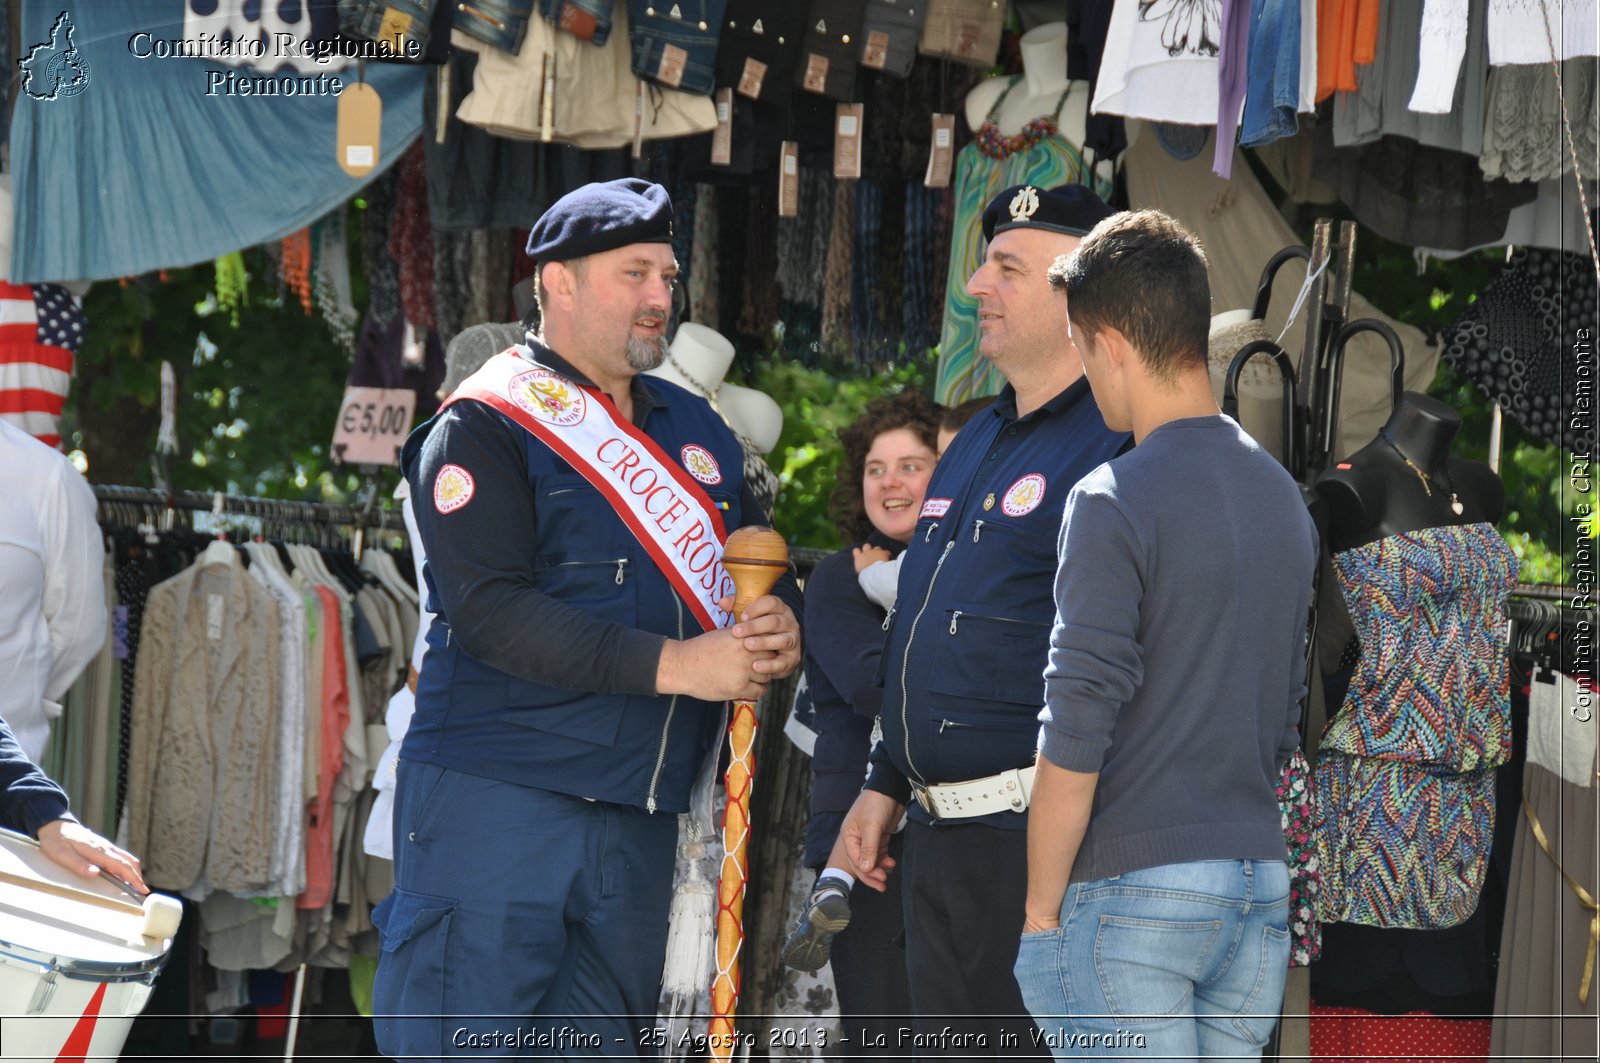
817,404
257,392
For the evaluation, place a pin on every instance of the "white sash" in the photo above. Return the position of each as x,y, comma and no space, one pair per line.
664,508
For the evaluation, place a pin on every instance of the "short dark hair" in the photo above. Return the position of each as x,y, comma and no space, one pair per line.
909,410
1143,274
577,266
955,418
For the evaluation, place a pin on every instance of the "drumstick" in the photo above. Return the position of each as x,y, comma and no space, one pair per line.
755,557
159,914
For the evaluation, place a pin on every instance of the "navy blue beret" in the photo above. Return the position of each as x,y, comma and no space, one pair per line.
1070,209
602,217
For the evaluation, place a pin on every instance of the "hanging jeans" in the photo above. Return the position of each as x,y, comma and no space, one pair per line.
675,41
501,23
1272,75
589,20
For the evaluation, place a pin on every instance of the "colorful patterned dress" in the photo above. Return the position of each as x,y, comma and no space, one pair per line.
991,163
1405,776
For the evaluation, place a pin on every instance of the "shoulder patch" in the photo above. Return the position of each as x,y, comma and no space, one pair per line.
1024,496
701,465
452,489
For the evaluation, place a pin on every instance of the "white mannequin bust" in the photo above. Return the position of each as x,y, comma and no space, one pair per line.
698,360
1044,78
753,413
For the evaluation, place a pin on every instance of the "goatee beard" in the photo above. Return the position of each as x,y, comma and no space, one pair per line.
646,352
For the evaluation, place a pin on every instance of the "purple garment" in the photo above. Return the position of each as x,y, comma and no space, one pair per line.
1231,67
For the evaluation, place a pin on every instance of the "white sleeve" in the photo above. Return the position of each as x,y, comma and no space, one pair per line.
420,557
881,582
74,587
1443,45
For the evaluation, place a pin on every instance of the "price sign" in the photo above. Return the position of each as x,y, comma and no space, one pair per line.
372,426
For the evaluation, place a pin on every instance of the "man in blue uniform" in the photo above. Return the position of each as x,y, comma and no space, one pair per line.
968,638
573,512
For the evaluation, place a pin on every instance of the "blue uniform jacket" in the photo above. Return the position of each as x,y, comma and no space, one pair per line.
541,663
963,667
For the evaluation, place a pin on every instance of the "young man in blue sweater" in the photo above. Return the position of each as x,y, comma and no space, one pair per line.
1157,888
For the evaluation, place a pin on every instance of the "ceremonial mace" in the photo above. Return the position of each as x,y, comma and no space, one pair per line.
755,557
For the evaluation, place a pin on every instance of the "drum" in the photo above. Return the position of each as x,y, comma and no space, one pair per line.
75,968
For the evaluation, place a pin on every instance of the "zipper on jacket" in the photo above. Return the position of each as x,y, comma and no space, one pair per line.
621,563
927,536
888,620
951,723
905,661
468,9
977,530
666,727
955,616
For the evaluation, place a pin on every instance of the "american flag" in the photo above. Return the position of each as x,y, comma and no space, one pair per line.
41,329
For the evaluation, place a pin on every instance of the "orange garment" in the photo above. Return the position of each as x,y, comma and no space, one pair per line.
335,719
1365,49
1347,35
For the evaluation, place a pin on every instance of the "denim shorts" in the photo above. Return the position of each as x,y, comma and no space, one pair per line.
502,23
965,30
1181,961
890,34
428,24
760,48
674,42
588,20
831,49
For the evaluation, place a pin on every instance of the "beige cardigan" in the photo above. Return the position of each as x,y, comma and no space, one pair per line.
203,753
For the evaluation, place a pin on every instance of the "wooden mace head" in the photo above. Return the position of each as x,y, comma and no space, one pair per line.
755,557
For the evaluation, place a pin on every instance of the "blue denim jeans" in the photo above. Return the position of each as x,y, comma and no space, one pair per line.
587,19
691,26
1182,961
1272,77
502,23
365,19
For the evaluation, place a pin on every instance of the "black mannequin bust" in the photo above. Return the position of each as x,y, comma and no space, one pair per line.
1405,480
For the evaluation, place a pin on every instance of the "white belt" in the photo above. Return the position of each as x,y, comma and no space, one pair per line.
1007,792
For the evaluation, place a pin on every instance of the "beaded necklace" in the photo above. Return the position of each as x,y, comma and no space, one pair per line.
1428,482
996,145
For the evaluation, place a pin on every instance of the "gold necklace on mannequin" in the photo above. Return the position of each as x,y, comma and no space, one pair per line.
1428,482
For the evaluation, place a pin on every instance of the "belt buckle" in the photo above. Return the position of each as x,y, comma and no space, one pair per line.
925,800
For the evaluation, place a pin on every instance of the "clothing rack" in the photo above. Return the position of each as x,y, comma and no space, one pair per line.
268,513
1543,592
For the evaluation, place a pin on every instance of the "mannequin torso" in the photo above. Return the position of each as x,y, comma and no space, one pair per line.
1405,480
698,360
1044,79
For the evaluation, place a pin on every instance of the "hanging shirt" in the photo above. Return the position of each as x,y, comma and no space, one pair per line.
1516,36
52,599
1160,63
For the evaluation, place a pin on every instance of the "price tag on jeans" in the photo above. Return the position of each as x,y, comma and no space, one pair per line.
373,425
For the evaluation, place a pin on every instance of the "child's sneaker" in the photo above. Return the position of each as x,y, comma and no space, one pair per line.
827,913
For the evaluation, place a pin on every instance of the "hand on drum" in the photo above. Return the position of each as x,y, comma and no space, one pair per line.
83,852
